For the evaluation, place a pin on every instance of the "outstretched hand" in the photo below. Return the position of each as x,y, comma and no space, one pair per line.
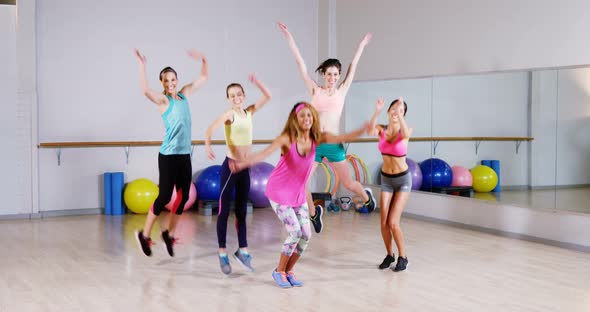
140,57
252,78
236,166
197,56
379,105
367,39
401,108
284,29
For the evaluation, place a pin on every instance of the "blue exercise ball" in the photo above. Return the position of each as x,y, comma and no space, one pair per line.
435,173
209,185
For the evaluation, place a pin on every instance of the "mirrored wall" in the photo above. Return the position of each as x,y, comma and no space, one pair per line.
528,128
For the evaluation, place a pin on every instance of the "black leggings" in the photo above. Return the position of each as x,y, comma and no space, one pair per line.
174,170
241,183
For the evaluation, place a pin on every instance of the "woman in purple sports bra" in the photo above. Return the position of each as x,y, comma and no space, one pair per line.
396,180
328,100
287,182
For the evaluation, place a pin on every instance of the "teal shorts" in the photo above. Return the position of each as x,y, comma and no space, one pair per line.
333,152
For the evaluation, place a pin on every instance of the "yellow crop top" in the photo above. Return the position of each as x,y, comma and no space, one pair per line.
239,132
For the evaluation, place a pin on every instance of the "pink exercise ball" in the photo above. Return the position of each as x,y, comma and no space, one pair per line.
461,176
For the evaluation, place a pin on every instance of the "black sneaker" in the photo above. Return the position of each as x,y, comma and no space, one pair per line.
402,264
169,241
389,259
370,204
318,223
145,243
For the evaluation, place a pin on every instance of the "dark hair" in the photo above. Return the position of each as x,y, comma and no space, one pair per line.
231,85
329,63
167,70
394,102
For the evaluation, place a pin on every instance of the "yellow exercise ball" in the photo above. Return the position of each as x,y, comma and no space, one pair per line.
485,178
140,195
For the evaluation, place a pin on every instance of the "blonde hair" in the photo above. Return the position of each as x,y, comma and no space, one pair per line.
292,128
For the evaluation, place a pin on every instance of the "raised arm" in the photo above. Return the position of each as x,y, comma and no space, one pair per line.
310,84
405,131
218,122
373,127
196,84
278,142
156,97
265,94
347,137
345,85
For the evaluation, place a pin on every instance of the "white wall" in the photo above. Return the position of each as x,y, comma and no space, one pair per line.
27,186
89,85
543,119
88,75
483,105
8,118
417,38
560,122
573,128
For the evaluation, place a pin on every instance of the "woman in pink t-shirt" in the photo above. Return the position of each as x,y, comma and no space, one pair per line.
286,184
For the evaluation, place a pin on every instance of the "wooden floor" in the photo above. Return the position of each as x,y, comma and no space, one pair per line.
92,263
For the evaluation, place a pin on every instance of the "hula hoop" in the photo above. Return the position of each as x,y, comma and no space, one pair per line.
334,174
328,178
352,161
366,171
366,174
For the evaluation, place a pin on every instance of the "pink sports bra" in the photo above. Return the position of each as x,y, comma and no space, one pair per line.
396,149
327,103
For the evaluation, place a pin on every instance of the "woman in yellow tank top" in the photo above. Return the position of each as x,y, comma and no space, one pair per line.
237,123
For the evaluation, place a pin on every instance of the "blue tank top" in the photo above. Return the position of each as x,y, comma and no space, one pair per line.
177,120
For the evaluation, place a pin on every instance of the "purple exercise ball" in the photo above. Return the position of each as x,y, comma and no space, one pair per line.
416,173
259,174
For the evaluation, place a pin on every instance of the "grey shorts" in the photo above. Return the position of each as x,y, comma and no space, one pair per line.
399,182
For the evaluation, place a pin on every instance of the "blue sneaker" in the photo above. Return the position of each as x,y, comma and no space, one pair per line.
281,279
293,280
363,209
224,264
244,259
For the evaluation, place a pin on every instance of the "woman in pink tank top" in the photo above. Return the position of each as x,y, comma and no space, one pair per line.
396,179
328,100
286,184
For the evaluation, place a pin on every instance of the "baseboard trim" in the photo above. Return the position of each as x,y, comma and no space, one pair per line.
53,213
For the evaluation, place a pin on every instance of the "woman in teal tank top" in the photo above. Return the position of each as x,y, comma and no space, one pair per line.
174,162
